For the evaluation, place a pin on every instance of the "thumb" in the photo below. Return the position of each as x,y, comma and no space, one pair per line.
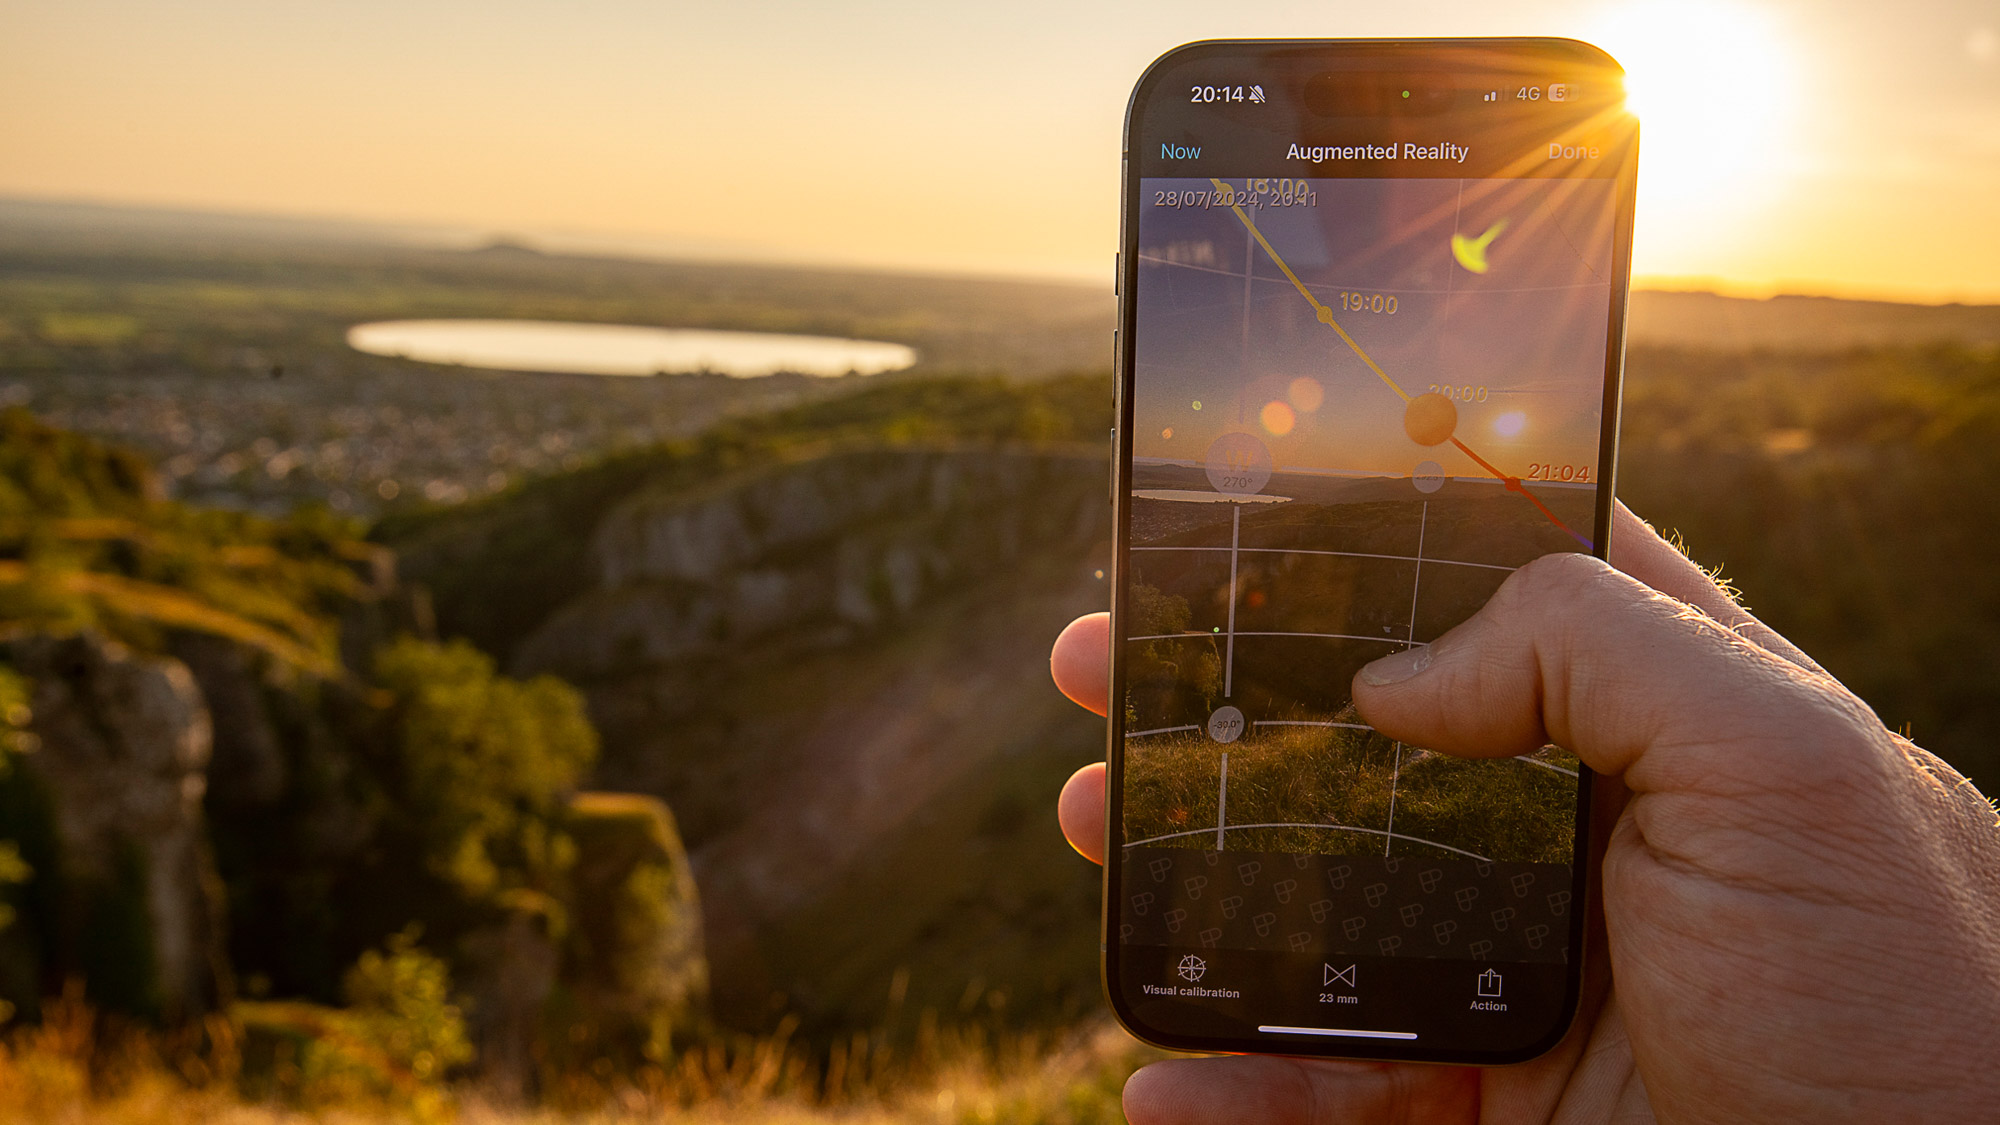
1631,681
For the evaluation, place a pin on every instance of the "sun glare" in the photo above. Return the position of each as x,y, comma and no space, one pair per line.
1714,85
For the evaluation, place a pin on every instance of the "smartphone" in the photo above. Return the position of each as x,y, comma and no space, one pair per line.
1371,327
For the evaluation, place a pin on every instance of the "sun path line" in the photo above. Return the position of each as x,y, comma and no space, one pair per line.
1325,315
1514,485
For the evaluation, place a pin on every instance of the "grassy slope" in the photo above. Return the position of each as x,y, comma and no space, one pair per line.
85,540
973,898
1850,496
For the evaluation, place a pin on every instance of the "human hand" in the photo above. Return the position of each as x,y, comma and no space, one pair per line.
1802,909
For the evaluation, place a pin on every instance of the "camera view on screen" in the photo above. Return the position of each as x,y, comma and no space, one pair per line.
1357,406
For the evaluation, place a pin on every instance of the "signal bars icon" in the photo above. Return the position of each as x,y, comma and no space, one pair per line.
1491,96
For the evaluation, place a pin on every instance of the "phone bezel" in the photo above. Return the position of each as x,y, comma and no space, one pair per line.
1589,836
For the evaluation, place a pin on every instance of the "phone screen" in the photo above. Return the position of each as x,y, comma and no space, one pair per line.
1372,312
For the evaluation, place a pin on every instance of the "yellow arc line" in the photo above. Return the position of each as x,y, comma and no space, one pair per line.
1325,313
1326,317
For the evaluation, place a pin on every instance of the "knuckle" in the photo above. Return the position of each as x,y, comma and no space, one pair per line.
1553,583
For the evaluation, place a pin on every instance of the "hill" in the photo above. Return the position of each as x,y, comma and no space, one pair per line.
1789,323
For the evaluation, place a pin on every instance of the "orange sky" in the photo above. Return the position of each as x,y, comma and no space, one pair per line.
1833,147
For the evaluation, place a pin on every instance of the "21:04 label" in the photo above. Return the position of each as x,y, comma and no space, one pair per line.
1544,470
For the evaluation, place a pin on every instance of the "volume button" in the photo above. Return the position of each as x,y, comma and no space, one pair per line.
1112,488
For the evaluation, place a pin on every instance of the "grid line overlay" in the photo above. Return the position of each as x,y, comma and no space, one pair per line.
1229,632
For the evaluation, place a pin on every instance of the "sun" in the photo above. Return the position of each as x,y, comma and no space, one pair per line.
1715,87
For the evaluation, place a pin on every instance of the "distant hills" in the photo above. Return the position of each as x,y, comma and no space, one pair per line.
961,323
1812,324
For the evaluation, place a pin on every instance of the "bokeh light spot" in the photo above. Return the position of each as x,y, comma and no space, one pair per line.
1510,423
1278,418
1306,394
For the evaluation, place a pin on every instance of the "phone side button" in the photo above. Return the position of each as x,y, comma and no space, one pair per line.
1112,487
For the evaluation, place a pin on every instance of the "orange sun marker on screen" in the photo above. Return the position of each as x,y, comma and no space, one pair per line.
1430,419
1277,418
1168,432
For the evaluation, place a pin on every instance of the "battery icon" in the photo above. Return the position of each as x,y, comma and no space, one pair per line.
1558,92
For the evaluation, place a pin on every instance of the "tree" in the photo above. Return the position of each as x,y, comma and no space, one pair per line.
486,764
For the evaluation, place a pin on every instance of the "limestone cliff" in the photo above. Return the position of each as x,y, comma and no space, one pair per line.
124,741
835,666
817,550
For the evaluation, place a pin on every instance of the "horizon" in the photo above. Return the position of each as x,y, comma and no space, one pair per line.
347,230
1839,150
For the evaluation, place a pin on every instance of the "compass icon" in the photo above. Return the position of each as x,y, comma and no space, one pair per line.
1192,968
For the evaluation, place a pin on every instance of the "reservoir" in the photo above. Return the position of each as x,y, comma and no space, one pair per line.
623,349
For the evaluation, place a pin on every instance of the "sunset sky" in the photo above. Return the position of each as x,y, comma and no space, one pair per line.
1833,146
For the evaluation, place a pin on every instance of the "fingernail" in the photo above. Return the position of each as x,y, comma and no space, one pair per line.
1396,668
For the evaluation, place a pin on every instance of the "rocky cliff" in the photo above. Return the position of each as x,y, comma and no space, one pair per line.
134,904
832,668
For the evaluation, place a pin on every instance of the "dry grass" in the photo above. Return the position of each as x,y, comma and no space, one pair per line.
75,1068
164,605
1307,775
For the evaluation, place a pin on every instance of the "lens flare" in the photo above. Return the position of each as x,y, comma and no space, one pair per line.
1718,89
1305,394
1278,418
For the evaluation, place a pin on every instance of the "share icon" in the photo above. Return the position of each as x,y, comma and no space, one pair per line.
1331,974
